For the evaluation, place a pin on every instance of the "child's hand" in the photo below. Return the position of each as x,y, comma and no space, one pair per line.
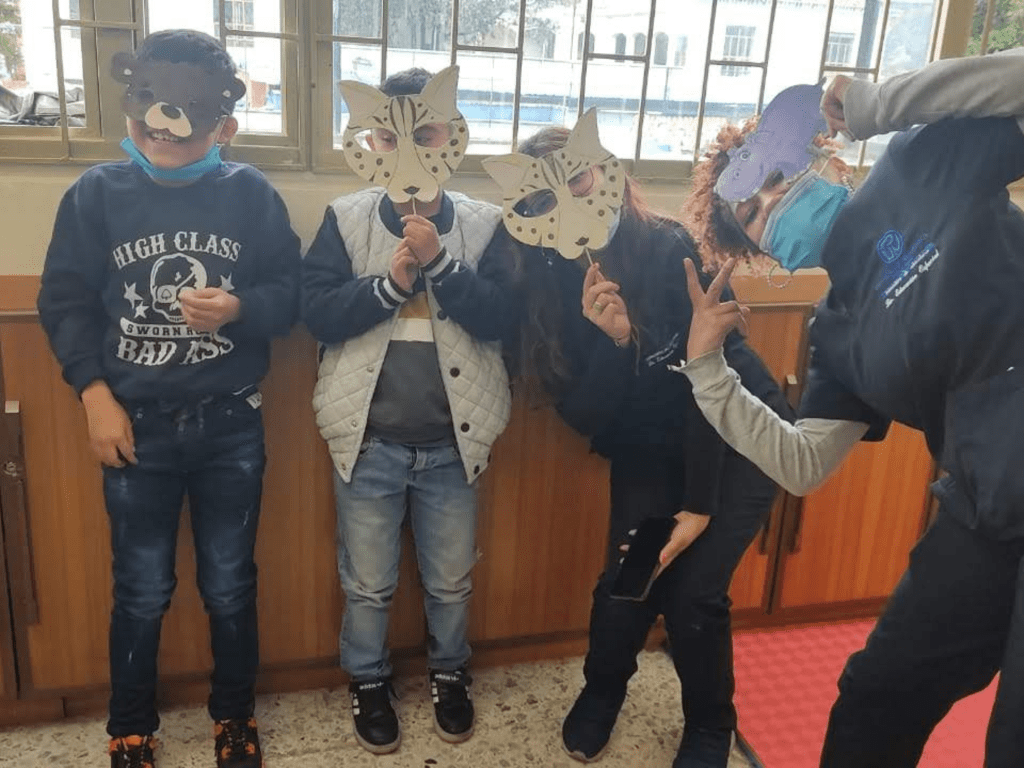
404,267
604,307
208,308
421,235
110,429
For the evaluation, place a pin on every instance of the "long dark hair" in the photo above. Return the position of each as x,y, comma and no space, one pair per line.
541,361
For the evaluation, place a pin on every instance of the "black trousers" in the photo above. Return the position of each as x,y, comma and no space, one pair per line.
955,619
692,593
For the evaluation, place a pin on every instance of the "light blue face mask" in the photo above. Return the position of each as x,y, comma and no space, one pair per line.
799,225
190,172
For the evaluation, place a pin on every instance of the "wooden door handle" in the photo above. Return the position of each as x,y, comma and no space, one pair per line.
17,535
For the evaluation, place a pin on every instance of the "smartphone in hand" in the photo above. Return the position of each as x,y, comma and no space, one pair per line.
639,566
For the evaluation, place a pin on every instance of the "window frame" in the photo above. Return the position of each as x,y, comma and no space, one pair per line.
307,78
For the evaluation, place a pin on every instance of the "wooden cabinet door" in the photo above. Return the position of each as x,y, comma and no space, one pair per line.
848,545
63,610
777,334
542,531
8,680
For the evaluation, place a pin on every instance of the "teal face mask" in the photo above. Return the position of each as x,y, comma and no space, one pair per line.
189,172
800,223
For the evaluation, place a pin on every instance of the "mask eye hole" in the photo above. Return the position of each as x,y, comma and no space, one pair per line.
536,204
377,140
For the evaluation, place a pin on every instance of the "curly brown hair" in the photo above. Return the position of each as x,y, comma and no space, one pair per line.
708,217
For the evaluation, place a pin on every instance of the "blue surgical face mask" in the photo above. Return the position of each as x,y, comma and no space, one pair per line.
799,225
190,172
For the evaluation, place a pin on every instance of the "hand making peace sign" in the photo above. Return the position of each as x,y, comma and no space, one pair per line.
712,320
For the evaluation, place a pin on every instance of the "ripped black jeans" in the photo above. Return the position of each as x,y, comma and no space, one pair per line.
213,451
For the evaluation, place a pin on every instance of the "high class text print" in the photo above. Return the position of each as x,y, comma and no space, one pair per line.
157,268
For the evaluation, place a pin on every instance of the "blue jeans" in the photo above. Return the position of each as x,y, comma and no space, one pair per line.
213,451
431,483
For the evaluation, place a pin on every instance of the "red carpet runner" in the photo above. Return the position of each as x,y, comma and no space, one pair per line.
786,685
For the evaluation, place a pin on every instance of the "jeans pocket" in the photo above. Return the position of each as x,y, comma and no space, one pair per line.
369,443
984,439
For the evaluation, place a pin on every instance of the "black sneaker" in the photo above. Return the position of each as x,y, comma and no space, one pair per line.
376,724
132,752
453,710
237,744
704,748
589,724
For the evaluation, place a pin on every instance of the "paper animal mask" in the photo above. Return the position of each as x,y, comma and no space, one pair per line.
782,142
540,209
398,142
179,97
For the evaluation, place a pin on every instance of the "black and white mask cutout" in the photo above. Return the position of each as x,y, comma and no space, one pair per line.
180,98
409,145
569,199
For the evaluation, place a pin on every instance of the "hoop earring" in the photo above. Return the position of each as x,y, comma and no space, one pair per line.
768,277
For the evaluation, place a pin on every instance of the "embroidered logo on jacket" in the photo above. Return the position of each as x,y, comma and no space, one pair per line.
903,266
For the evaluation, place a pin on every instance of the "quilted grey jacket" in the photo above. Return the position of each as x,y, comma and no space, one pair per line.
472,370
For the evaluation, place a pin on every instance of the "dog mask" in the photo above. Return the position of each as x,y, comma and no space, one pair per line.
410,170
540,209
182,98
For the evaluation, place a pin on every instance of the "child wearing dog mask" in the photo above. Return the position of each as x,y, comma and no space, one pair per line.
165,278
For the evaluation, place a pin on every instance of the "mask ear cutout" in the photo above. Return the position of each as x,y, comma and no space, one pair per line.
362,100
584,139
441,90
123,65
508,171
234,91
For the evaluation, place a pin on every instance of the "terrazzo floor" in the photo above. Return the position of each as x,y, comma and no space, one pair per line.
519,715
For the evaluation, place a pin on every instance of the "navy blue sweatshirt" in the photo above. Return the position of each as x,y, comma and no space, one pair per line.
123,248
626,399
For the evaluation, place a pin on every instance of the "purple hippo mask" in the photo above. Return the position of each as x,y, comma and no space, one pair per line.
782,142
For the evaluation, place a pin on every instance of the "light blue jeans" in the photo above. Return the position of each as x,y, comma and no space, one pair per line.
388,479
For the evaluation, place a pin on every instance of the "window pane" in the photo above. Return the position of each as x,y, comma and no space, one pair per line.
614,88
489,22
357,18
259,66
486,84
550,94
28,67
420,25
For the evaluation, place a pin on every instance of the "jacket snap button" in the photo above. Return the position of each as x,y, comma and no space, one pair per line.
442,316
464,427
354,423
369,369
454,372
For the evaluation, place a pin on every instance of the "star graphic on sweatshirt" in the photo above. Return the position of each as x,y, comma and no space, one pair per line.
131,294
138,303
226,284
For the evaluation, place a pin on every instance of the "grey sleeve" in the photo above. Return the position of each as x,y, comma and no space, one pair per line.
799,457
975,86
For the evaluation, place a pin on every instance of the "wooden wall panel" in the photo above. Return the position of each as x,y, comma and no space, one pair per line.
67,648
859,527
543,530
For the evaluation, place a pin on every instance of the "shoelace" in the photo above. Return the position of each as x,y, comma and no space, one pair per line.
235,739
135,756
374,697
451,692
